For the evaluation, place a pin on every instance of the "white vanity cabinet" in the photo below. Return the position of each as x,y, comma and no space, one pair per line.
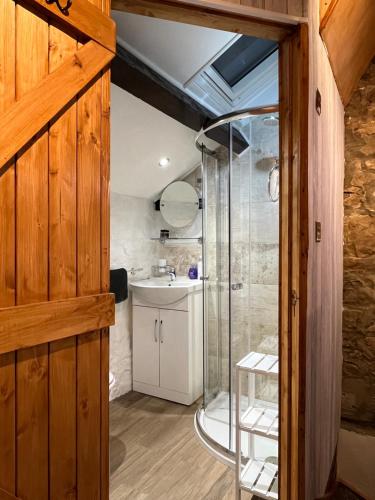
146,345
168,349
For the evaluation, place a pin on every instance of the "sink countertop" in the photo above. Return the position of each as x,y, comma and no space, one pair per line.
180,282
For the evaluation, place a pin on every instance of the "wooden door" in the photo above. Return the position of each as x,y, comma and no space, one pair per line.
174,350
54,248
146,345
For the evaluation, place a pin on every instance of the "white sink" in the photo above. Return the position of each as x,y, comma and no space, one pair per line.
163,291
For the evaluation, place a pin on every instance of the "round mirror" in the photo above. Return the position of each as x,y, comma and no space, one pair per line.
179,204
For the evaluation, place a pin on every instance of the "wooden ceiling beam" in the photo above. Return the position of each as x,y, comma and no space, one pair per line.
348,32
217,14
133,76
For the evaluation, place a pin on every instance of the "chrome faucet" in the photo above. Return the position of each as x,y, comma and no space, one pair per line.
172,275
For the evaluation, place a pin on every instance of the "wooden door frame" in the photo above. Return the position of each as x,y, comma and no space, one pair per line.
292,35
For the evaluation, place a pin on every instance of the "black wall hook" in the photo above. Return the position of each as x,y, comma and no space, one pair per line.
64,10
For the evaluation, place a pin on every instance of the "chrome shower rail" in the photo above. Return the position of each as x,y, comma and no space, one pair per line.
234,116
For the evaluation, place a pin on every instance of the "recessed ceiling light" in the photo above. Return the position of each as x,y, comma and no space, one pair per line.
164,162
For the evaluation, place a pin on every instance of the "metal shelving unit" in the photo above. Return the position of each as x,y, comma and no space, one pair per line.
258,477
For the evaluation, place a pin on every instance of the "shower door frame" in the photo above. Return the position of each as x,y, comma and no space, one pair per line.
292,35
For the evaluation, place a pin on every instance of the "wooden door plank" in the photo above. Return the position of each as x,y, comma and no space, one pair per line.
34,110
7,173
89,189
32,266
32,423
34,324
105,172
85,18
89,112
88,416
104,436
7,252
62,182
62,283
62,419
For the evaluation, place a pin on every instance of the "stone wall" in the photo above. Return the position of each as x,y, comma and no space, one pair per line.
358,403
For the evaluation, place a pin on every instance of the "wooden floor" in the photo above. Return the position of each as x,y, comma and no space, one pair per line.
155,454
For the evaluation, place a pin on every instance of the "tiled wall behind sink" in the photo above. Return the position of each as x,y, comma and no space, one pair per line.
181,256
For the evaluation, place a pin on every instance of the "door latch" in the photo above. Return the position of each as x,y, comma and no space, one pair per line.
64,9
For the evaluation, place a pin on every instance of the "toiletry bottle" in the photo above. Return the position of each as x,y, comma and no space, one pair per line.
200,268
193,272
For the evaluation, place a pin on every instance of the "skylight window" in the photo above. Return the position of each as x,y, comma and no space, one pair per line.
242,57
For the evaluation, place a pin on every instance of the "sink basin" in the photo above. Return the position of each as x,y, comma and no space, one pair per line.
162,291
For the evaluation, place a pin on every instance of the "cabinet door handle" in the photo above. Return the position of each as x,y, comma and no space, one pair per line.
161,332
155,331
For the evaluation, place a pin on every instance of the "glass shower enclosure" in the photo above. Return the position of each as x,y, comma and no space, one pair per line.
240,268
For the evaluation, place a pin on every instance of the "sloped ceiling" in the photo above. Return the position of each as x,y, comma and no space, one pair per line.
140,136
177,51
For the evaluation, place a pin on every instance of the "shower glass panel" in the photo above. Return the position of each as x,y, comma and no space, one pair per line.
241,278
216,307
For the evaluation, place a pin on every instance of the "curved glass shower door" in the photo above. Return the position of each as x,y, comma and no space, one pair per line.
241,250
216,298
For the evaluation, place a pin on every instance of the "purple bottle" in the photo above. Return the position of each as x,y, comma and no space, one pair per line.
193,272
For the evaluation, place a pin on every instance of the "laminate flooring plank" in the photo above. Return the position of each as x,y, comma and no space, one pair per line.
156,455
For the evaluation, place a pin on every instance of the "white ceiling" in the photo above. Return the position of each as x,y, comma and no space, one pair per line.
140,136
176,50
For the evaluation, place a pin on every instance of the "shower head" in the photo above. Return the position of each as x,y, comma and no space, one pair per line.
271,121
